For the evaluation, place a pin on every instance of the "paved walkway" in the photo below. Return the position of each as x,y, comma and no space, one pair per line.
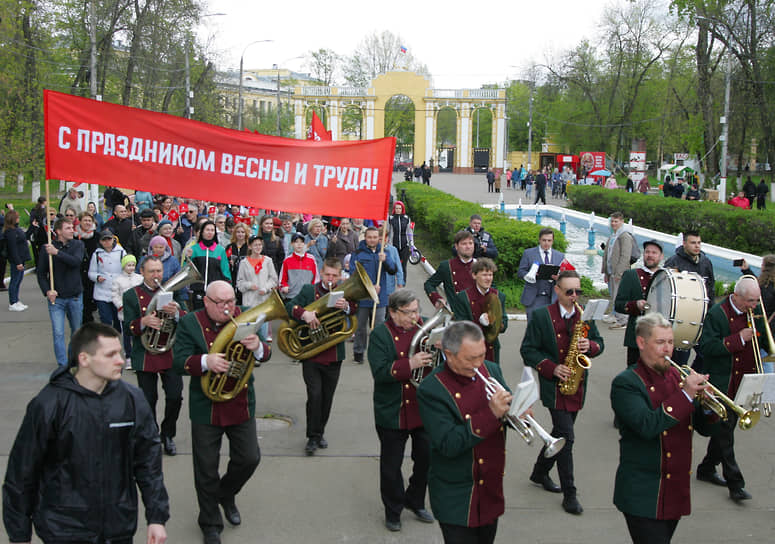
334,496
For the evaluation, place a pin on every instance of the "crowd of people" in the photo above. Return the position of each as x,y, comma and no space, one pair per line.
454,408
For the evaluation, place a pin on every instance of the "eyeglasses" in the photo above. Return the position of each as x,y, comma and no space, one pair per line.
227,302
570,292
409,312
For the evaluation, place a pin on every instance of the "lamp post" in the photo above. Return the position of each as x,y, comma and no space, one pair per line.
239,93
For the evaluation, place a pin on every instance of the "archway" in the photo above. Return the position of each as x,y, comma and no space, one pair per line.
352,122
399,123
446,138
481,137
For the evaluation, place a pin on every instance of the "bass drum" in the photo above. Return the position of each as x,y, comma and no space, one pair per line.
681,298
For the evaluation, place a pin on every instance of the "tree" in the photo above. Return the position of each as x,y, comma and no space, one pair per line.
323,65
378,54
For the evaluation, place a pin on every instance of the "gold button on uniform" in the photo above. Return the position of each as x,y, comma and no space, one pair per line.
406,386
669,408
396,338
652,389
401,354
481,461
457,395
468,416
667,475
668,455
407,401
691,428
481,482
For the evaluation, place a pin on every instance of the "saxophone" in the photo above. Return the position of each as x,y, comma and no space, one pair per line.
577,362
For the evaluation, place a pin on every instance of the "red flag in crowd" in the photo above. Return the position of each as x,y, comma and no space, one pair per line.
317,130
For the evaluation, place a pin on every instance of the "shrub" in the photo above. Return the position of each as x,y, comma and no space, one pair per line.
720,224
441,215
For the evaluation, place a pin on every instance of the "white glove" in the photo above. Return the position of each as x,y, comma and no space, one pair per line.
484,320
530,277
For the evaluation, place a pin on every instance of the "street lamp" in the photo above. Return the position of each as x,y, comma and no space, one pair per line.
239,99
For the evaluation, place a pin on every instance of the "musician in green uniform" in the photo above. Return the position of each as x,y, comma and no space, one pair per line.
211,420
150,367
631,295
454,273
396,415
727,348
656,414
552,332
474,302
467,436
320,372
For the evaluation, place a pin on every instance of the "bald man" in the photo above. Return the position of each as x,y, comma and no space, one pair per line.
211,420
728,351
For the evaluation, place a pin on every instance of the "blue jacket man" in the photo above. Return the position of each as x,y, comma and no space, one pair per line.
538,293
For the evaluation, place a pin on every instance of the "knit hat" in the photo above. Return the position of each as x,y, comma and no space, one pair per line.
157,241
165,222
128,259
147,212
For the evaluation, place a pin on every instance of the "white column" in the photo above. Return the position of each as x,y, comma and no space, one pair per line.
464,143
333,120
430,135
500,131
298,124
369,120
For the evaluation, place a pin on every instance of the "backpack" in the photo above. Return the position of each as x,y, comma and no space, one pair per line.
635,255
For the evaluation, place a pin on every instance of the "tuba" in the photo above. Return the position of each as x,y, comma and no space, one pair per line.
577,362
494,312
302,342
226,386
158,341
424,340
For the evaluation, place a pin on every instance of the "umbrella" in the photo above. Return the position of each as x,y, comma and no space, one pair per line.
601,172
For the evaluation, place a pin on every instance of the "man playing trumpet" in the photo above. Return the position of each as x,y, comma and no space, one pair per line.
728,349
467,437
656,414
396,415
211,420
150,366
546,346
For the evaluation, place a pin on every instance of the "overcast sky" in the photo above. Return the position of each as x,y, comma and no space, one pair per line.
464,44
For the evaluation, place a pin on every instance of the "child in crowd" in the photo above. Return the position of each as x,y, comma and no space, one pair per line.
298,269
123,282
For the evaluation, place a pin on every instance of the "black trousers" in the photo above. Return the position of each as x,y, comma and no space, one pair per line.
721,449
391,481
540,195
211,488
457,534
172,383
633,354
562,427
650,531
403,256
321,383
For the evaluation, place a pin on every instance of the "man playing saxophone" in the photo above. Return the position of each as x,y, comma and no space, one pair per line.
151,366
210,420
320,372
656,414
396,415
553,342
473,303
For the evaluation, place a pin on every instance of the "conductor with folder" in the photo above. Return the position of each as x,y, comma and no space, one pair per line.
539,292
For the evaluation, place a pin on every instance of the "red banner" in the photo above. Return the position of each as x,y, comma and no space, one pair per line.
108,144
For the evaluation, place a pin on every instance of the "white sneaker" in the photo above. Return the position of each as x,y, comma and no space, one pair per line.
609,319
16,307
22,305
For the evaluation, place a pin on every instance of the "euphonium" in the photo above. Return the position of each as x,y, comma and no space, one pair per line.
576,361
226,386
525,425
421,341
302,342
160,340
717,402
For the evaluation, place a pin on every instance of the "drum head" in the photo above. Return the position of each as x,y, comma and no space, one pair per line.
660,295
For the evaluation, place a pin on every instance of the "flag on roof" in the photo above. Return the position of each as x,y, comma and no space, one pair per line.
403,49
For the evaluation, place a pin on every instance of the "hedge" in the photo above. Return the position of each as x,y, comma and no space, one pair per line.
719,224
441,215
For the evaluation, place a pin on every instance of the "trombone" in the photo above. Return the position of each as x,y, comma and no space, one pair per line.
526,426
757,354
717,402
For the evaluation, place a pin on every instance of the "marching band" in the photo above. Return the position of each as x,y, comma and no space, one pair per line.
439,381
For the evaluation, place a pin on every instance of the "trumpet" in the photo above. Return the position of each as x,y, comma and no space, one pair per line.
717,402
526,426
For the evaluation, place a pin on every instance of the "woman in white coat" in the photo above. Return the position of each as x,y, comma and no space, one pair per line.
256,277
105,265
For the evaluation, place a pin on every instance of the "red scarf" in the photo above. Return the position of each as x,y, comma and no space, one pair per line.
258,264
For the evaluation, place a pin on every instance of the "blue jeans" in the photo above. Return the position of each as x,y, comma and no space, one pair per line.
16,282
108,314
71,307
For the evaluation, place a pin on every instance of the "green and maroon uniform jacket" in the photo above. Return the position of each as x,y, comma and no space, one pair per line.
136,302
655,420
295,308
472,305
726,357
395,398
545,345
633,287
468,447
456,277
196,333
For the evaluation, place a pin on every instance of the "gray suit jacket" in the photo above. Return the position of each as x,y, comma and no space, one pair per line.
530,256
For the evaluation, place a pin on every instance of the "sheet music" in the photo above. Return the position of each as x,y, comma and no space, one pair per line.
753,384
595,309
525,393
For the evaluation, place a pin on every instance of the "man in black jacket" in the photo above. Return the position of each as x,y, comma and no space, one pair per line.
141,236
66,295
121,225
86,438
